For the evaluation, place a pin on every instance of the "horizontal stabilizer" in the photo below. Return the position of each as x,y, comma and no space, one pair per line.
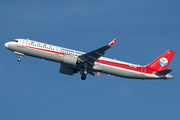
163,72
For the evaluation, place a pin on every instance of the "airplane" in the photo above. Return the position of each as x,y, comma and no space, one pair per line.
94,62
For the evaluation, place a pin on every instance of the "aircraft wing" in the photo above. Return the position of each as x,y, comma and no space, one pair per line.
92,56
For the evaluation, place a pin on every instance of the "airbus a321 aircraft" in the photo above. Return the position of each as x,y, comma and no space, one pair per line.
73,61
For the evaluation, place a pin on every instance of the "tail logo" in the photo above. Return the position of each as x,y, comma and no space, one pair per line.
163,61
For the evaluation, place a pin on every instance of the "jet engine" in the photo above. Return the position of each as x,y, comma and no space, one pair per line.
65,69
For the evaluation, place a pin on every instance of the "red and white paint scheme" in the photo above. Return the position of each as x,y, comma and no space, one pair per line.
73,61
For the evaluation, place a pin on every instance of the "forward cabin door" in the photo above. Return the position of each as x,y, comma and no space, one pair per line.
25,49
25,42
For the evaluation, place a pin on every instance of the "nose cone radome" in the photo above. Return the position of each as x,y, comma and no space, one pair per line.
6,45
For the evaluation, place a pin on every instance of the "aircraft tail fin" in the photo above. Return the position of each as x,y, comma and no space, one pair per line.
162,62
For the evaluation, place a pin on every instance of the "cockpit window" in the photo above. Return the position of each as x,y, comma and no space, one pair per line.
15,40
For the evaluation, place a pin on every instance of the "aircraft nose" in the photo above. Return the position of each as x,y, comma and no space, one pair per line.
6,45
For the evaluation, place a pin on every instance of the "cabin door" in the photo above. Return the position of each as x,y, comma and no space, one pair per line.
143,70
24,42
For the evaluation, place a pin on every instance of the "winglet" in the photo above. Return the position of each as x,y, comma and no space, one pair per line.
112,43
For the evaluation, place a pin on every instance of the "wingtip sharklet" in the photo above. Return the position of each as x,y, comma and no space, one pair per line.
112,43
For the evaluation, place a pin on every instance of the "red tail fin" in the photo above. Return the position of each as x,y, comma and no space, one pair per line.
162,62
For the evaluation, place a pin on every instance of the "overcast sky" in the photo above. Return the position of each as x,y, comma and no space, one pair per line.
35,90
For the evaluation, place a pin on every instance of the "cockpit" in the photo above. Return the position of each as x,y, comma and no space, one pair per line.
15,40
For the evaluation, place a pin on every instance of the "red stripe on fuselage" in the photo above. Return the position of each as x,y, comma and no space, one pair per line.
45,50
125,66
105,62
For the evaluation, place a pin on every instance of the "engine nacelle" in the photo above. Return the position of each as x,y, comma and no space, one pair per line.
66,69
69,59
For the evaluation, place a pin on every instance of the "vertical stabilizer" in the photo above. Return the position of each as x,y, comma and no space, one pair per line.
162,62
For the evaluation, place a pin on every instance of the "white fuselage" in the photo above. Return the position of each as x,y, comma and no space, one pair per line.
104,65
